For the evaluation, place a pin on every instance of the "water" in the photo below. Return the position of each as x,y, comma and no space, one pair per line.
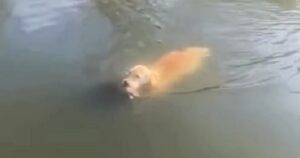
59,61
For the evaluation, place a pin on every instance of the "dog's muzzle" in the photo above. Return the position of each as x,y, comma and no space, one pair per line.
124,83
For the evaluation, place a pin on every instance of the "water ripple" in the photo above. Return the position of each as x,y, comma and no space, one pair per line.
264,38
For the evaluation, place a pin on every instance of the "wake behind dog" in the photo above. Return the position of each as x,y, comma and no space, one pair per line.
158,78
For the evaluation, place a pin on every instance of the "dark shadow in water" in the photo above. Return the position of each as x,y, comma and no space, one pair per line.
106,96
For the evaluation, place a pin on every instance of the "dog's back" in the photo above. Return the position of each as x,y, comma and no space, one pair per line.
173,66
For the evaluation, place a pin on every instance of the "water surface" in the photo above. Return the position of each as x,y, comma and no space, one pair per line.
59,60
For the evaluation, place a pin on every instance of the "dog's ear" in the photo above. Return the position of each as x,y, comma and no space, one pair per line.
147,83
151,85
154,79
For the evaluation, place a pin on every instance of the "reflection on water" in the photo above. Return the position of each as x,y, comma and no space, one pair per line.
59,61
59,35
37,14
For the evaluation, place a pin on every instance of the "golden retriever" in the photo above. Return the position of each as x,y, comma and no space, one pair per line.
143,80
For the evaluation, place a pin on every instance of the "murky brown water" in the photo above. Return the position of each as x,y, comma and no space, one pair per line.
58,58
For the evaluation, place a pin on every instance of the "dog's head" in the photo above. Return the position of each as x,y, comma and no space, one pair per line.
136,79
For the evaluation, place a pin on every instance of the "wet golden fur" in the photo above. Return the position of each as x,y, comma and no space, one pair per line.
161,75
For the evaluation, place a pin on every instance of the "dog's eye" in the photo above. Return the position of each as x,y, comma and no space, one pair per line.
137,76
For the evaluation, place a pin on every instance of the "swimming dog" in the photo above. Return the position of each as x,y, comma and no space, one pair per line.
157,78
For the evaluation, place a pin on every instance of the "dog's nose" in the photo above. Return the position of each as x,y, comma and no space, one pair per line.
125,83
